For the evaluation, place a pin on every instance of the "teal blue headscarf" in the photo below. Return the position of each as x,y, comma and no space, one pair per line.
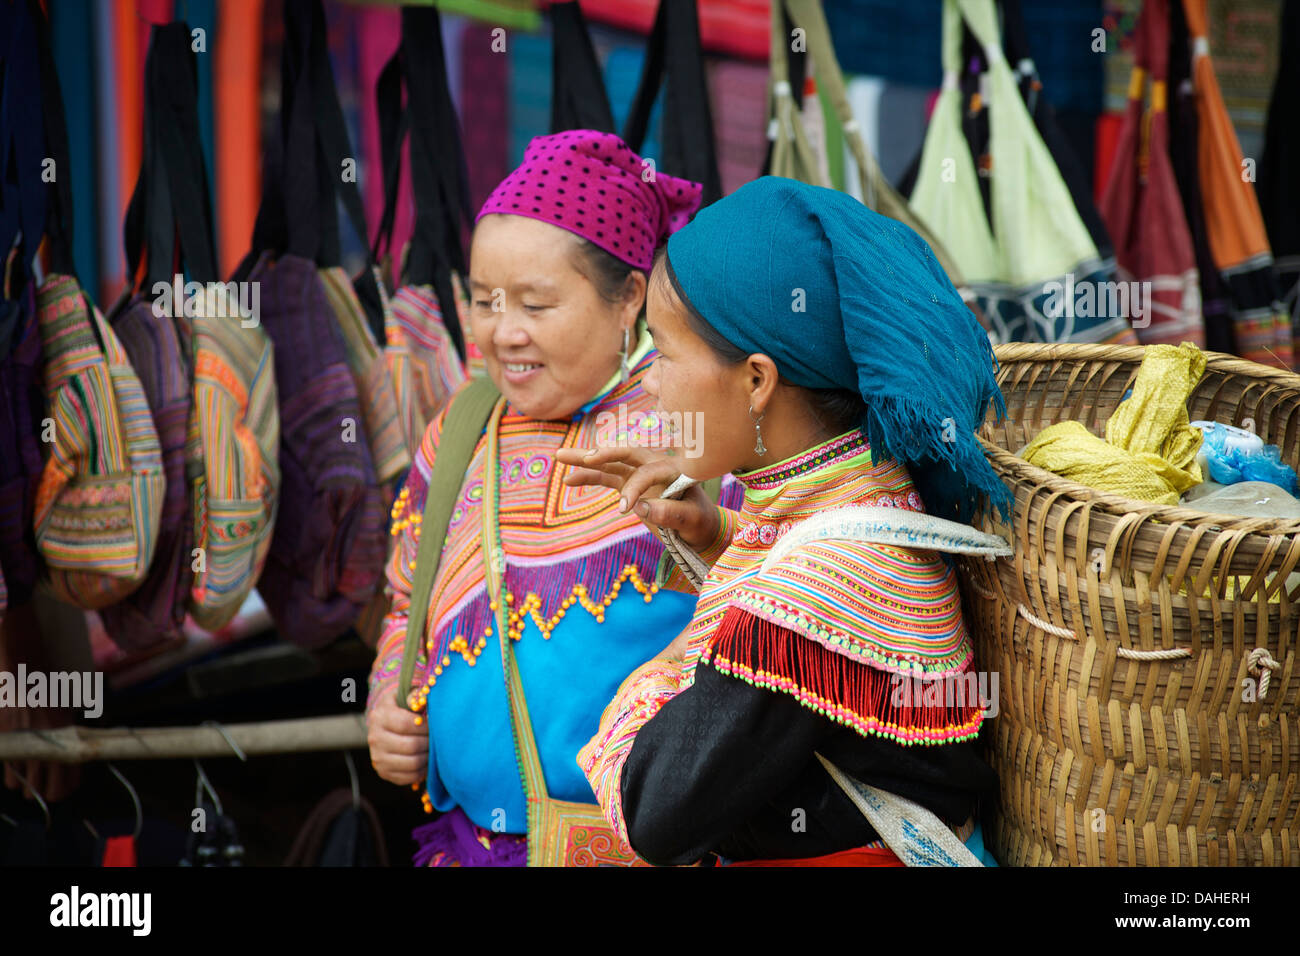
842,297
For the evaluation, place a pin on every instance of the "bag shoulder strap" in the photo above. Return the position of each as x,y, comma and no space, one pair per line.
916,835
461,430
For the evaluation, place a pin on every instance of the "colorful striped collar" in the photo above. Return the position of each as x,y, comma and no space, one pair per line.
828,454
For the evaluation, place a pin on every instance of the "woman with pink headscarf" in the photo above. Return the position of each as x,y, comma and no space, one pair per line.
558,267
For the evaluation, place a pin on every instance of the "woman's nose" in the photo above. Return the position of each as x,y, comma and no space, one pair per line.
509,331
651,381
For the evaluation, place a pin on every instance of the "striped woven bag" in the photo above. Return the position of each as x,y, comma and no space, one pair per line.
101,494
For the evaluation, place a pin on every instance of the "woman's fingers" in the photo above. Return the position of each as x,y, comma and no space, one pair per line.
649,481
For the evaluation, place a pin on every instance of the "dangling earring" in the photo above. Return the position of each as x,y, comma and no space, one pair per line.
623,371
759,447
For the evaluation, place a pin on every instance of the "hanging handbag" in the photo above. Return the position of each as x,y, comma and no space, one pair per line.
1141,204
1025,258
1233,223
674,61
326,556
578,96
792,153
101,493
423,352
154,612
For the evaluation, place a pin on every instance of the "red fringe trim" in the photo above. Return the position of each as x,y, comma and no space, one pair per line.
869,700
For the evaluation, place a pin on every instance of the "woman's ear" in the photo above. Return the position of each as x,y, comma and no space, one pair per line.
634,289
763,378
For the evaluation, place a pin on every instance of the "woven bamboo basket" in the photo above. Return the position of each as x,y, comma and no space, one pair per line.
1146,654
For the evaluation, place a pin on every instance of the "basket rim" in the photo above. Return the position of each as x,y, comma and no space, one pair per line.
1065,351
1009,463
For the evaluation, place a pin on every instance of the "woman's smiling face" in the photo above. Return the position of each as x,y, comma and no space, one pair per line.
549,340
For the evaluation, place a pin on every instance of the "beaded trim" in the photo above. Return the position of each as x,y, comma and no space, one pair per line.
517,617
840,448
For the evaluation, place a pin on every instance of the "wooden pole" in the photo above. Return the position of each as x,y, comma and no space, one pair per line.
84,744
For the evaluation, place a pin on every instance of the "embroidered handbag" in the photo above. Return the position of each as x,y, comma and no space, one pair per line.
326,555
232,434
1141,204
154,612
101,493
424,332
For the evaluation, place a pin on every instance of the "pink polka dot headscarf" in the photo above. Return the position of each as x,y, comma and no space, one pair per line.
593,185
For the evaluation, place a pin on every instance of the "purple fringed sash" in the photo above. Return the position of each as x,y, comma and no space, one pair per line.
455,840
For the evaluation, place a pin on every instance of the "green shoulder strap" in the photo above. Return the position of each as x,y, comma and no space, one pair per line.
461,431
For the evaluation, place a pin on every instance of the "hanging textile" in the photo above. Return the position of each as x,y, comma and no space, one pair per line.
22,398
1141,205
423,361
1016,46
578,97
232,435
674,61
1216,299
154,612
326,555
1233,222
101,491
792,155
741,127
1012,226
359,306
1279,167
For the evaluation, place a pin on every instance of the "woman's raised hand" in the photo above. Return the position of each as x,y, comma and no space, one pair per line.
640,476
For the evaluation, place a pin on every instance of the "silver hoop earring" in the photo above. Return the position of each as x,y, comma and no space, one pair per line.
624,372
759,447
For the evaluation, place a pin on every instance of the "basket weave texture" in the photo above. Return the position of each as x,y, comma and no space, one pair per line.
1146,654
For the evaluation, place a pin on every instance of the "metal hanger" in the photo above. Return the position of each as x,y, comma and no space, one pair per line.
135,799
45,807
356,784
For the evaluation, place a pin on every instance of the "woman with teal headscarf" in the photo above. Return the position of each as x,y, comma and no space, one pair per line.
828,363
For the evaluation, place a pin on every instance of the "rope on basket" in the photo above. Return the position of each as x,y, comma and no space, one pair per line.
1069,635
1261,666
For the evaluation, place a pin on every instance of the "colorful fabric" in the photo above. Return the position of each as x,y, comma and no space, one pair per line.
383,426
1031,239
154,612
327,552
232,458
101,494
792,270
1141,203
455,840
594,186
422,359
578,575
1233,222
836,626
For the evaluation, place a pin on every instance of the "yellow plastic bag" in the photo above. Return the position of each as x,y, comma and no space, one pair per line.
1150,448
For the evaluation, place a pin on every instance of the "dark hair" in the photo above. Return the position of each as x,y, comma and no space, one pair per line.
838,409
607,272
